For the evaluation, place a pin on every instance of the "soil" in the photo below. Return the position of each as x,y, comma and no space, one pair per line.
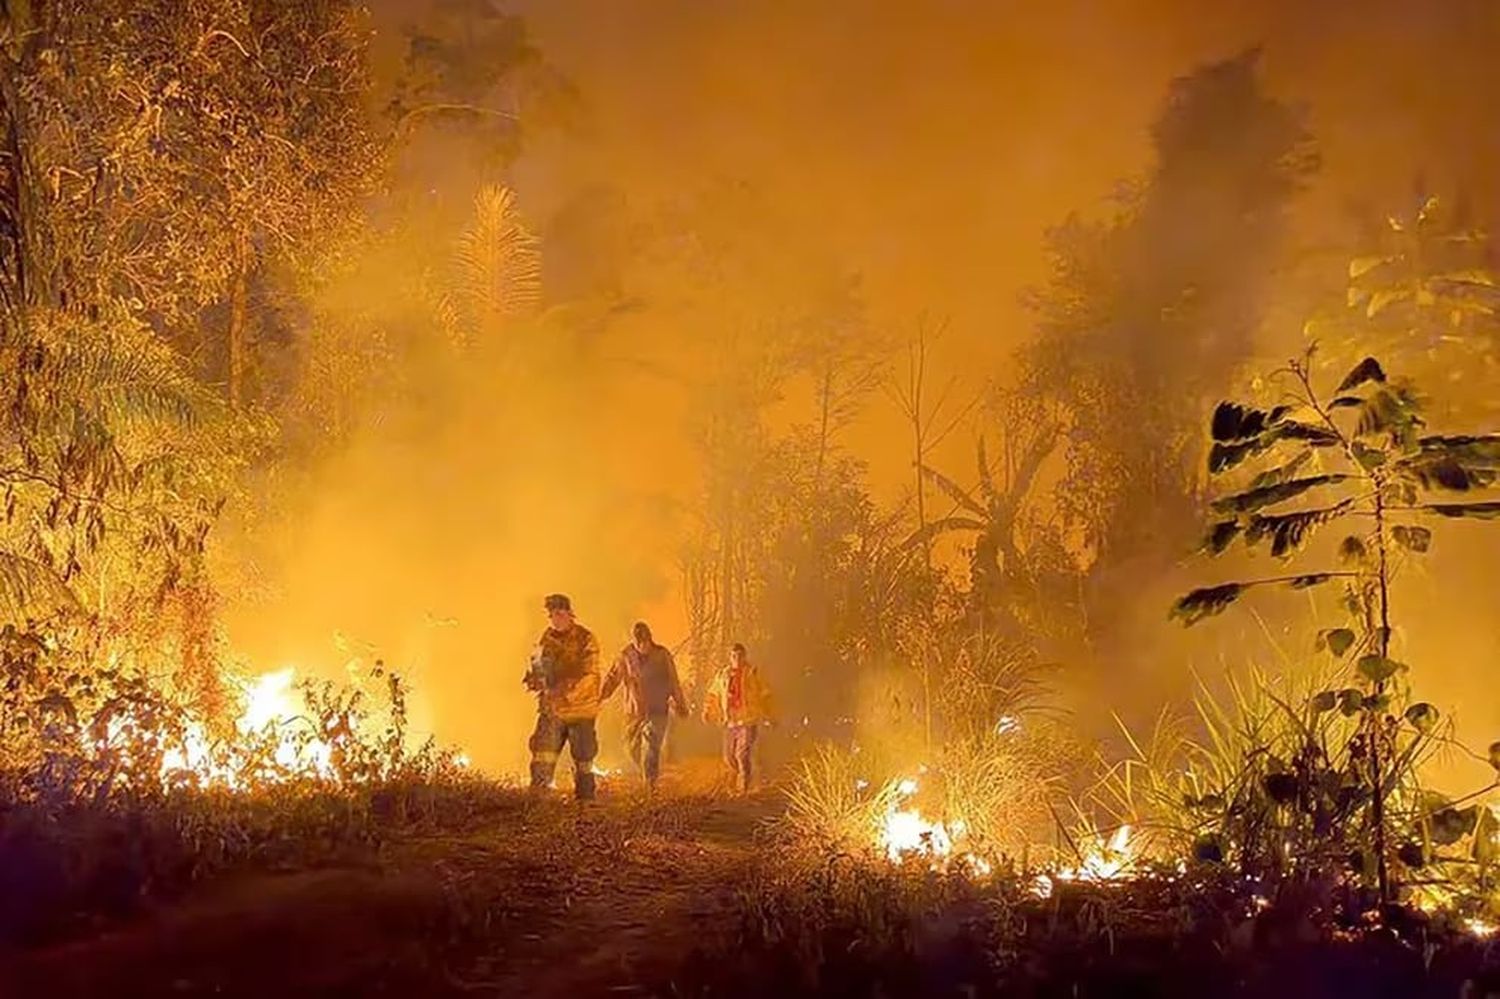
538,898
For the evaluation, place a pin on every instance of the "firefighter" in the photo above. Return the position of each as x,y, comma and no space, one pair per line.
649,678
565,675
739,699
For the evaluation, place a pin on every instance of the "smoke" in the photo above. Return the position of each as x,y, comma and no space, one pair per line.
924,148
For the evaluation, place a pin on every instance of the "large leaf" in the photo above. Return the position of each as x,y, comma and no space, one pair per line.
1447,472
1450,825
1478,511
1309,432
1233,422
1281,473
1472,451
1226,455
1368,370
1288,531
1336,640
1254,499
1378,669
1221,535
1417,539
1206,602
1360,266
946,525
1385,297
1422,716
954,491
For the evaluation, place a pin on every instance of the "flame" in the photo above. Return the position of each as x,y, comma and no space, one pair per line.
1102,863
904,833
1480,928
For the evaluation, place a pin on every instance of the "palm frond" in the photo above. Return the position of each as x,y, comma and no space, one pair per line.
498,262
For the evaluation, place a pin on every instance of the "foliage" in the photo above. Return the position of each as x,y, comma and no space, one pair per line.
160,148
1359,457
1153,309
113,786
1423,295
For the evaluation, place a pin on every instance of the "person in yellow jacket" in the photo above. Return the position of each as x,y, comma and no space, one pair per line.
739,699
565,675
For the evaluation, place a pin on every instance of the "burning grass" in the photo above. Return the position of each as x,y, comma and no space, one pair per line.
114,789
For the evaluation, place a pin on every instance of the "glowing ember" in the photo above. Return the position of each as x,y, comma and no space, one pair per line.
1480,928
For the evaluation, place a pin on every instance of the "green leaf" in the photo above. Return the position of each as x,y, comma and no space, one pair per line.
1423,717
1417,539
1233,422
1449,473
1368,370
1351,701
1326,700
1314,435
1382,298
1450,825
1353,550
1289,530
1254,499
1221,535
1338,640
1387,411
1206,602
1360,266
1281,473
1378,669
1478,511
1369,458
1224,456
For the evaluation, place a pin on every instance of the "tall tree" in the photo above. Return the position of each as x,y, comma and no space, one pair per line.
1148,312
159,152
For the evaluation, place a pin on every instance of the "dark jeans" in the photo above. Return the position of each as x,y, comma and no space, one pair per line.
739,748
645,736
547,743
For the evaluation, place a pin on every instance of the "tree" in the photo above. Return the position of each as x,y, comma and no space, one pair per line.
1016,560
1148,313
160,152
1365,453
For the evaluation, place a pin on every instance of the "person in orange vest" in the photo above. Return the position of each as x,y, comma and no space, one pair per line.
565,675
648,675
739,699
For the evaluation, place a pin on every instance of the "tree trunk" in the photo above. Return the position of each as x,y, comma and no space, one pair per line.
238,319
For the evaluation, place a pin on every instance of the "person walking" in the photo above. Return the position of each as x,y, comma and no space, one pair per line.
739,699
565,675
647,674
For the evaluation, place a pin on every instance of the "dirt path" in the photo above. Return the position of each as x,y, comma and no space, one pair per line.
541,900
